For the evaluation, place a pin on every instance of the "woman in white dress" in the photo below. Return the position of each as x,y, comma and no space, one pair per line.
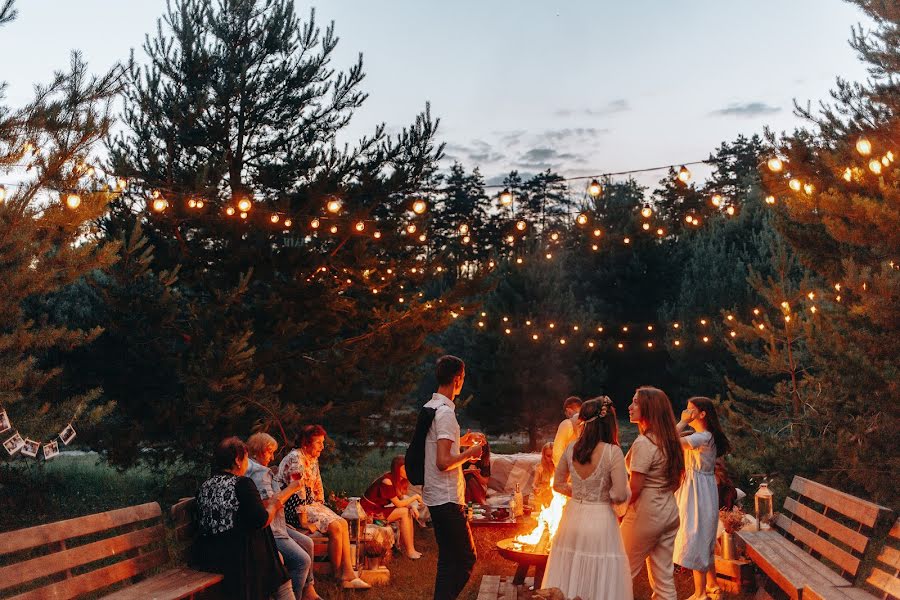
587,556
698,496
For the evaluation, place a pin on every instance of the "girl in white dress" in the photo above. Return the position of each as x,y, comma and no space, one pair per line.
698,496
587,556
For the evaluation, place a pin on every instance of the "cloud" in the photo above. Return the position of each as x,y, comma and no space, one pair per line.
746,109
556,136
614,106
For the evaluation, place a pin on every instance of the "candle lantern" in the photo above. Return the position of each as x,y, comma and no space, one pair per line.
763,502
356,523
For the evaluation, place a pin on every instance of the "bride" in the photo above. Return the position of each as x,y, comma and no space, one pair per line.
587,556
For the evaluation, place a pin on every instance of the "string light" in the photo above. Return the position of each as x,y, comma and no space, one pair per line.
554,236
595,247
73,201
677,342
419,207
885,161
333,229
422,238
730,210
660,232
594,188
864,146
521,225
808,188
463,229
646,211
626,240
645,226
705,339
360,226
581,219
160,204
775,164
333,206
466,239
244,205
121,183
684,175
506,197
274,218
716,200
288,222
597,233
229,211
377,235
875,166
200,203
795,184
411,228
243,215
314,223
562,341
770,199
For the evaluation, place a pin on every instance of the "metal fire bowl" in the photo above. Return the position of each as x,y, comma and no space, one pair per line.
520,553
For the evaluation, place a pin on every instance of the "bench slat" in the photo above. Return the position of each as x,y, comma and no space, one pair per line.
890,557
854,539
850,506
68,589
170,585
885,582
836,593
844,560
31,537
56,562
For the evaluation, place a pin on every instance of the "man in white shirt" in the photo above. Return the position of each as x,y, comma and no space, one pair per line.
568,430
444,489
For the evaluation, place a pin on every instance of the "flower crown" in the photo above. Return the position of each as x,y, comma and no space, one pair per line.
605,403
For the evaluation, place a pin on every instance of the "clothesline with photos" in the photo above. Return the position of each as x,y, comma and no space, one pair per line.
16,443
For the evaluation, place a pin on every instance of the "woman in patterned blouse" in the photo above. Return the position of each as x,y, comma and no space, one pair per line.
235,539
307,510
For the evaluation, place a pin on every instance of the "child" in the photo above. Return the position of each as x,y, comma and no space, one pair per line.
543,475
698,496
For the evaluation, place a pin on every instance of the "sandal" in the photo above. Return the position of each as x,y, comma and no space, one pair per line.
714,592
355,584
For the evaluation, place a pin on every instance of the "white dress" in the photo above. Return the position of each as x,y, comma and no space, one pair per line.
698,504
587,556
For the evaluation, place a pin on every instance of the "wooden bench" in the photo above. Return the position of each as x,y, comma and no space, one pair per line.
883,577
819,541
86,555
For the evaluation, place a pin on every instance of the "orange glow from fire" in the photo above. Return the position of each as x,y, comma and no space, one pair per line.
548,518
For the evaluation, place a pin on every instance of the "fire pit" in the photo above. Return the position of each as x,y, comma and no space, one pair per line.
525,556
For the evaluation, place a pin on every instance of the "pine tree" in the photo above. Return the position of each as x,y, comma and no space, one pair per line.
52,195
838,194
322,309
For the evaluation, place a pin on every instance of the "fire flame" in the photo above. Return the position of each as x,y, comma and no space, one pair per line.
548,519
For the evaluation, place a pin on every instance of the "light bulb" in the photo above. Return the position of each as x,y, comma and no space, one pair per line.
333,206
200,203
597,233
716,200
288,222
660,231
466,239
795,184
274,218
506,197
160,204
419,207
243,205
521,225
646,211
411,228
595,247
875,166
864,146
808,188
581,219
646,226
562,341
510,239
243,215
684,175
229,211
464,229
422,238
377,235
360,226
770,199
677,342
333,229
689,218
595,189
730,210
885,161
121,183
314,223
554,236
627,240
73,201
775,164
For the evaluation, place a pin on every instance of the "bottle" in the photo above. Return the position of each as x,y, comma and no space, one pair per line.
520,505
512,506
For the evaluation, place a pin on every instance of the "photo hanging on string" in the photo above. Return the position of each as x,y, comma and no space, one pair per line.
5,425
14,444
51,449
31,448
67,434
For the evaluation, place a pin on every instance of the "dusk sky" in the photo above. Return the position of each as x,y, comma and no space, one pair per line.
582,87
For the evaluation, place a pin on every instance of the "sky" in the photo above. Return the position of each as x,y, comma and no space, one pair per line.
578,86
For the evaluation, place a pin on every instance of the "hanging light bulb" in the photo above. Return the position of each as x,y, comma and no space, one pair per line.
520,260
775,164
646,226
595,247
864,146
627,240
411,228
360,226
288,222
521,225
598,233
581,219
377,235
333,206
466,239
689,218
315,223
716,200
464,229
549,256
730,210
419,207
73,201
875,166
274,218
684,175
660,232
422,238
244,205
595,189
848,174
333,229
770,199
506,197
160,204
646,211
554,236
229,211
808,188
200,204
510,239
243,215
121,183
795,184
192,203
890,156
885,161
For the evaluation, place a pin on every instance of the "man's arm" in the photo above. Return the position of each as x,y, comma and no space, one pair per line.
447,460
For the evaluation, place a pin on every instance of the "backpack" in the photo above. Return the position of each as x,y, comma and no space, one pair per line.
415,453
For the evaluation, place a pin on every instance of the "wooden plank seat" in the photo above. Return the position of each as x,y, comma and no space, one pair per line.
884,578
818,542
86,555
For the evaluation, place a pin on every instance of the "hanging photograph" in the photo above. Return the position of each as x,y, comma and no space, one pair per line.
67,434
14,444
31,448
51,449
5,425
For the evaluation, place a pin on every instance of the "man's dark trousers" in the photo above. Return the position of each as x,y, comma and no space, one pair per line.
456,549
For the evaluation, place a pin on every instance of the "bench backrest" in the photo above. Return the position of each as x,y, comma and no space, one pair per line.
69,558
885,575
832,525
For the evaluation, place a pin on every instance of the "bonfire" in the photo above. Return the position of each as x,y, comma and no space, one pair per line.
540,538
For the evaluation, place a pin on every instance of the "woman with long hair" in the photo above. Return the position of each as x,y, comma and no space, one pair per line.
587,558
655,464
698,496
386,499
543,477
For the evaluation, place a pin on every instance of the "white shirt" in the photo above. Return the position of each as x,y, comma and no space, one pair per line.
442,487
565,435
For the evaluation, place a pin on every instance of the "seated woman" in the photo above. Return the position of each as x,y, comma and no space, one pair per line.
543,477
477,475
386,499
235,539
307,510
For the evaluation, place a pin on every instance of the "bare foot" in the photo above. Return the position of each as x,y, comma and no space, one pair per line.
415,555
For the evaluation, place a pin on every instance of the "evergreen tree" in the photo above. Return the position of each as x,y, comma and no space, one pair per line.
52,195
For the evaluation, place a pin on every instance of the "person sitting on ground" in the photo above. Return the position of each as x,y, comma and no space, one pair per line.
296,549
543,477
235,538
306,509
477,474
386,499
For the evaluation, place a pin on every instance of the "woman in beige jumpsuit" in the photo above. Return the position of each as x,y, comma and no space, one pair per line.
655,465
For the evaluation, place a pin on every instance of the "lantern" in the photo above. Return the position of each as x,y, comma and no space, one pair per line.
763,505
356,524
